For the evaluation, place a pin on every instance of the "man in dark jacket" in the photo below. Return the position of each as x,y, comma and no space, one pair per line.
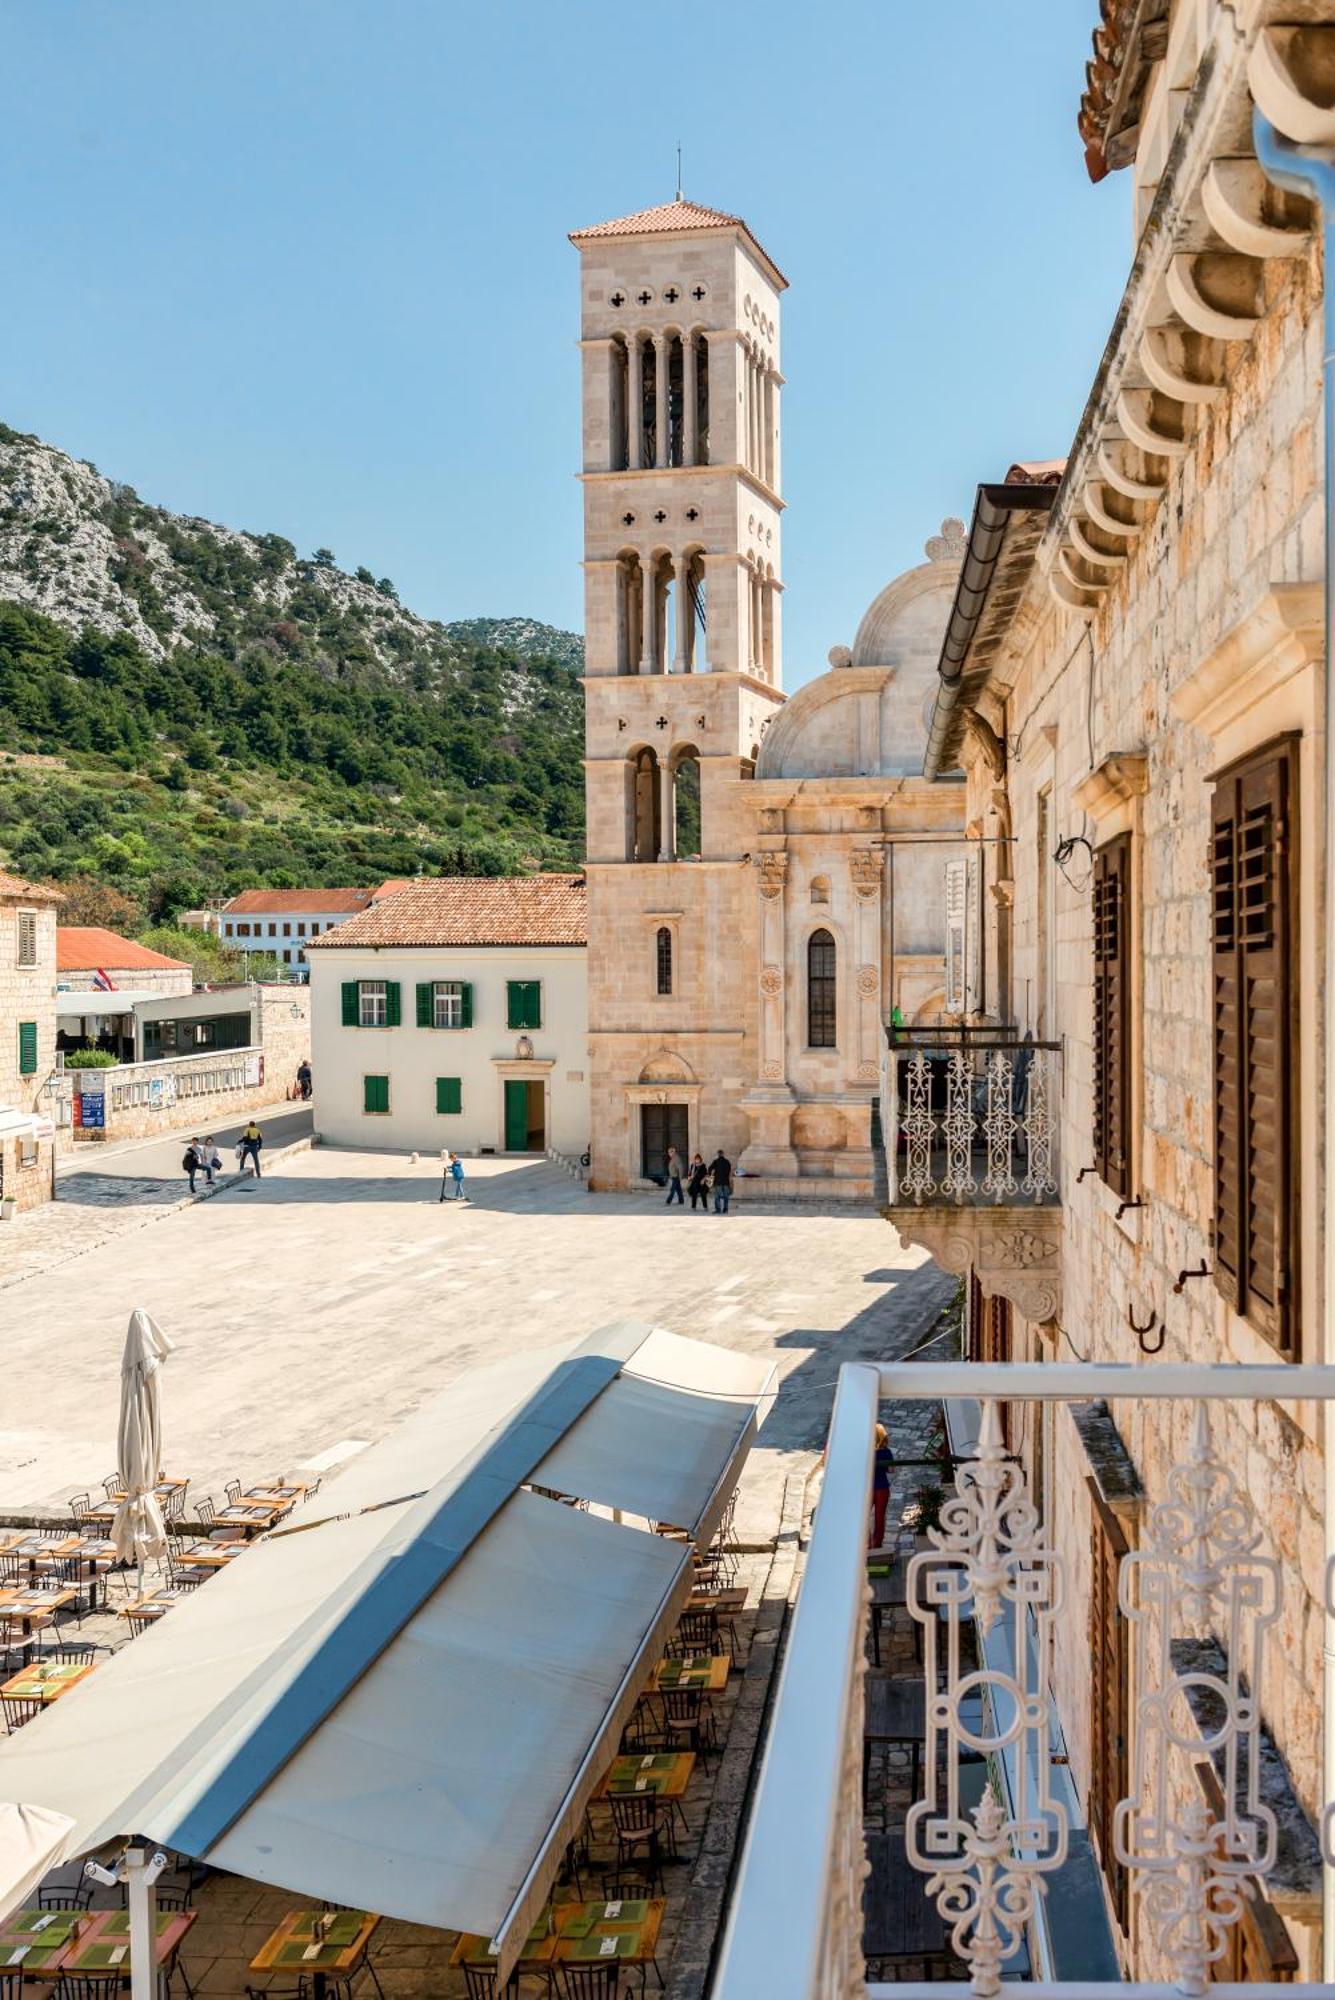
721,1173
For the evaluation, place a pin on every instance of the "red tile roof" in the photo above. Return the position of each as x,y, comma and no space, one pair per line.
282,902
1131,37
89,948
670,218
1036,472
471,910
31,892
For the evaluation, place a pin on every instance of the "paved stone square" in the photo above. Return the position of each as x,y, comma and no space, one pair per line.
316,1309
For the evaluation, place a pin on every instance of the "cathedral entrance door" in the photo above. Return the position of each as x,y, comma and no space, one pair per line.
661,1126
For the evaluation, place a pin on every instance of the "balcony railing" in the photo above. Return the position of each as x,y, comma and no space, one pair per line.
970,1117
794,1929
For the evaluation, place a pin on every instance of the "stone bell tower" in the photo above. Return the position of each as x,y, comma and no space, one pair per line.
683,586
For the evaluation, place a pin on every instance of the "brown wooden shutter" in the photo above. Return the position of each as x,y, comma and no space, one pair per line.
1258,1949
1109,1695
1254,874
1112,1014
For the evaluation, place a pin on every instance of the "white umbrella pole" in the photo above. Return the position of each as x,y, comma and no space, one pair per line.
139,1875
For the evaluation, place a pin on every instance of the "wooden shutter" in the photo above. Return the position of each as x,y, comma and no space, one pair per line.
426,1004
1112,1014
973,935
1253,865
1257,1949
351,1003
393,1007
27,1048
523,1003
534,1008
465,1004
449,1093
375,1093
514,1003
956,897
1109,1694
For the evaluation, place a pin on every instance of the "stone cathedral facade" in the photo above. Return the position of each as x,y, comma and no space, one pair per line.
767,879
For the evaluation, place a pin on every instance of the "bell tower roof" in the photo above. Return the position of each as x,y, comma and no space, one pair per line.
671,218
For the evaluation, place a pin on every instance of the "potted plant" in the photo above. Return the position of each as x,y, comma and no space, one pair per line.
927,1503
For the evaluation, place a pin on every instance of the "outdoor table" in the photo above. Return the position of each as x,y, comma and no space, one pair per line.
697,1670
35,1940
106,1509
38,1550
727,1603
154,1604
35,1608
250,1515
208,1555
536,1954
46,1684
899,1919
103,1943
295,1946
626,1929
281,1494
665,1774
895,1712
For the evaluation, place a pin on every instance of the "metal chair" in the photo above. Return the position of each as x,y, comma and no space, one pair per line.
232,1488
480,1983
643,1831
697,1632
66,1896
206,1510
18,1710
599,1979
688,1720
82,1652
112,1487
175,1507
13,1571
81,1509
90,1986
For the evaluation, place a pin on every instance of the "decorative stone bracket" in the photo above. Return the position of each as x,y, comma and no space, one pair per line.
1015,1253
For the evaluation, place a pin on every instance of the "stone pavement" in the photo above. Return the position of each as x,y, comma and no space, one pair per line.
316,1309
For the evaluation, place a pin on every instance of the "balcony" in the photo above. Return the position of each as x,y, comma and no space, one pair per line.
1208,1832
971,1157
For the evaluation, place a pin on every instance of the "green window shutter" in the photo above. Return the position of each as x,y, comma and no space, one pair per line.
375,1093
393,1014
449,1093
466,1014
27,1048
514,1003
351,1004
524,1003
426,1006
533,1010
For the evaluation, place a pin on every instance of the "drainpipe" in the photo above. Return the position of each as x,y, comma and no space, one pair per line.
1310,171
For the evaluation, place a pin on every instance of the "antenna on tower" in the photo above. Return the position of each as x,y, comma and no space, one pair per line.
680,196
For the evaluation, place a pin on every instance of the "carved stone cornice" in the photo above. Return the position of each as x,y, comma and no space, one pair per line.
1120,778
1280,635
1015,1253
773,870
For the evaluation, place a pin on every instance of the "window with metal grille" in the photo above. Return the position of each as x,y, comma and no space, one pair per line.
821,1013
1254,879
27,939
1112,1014
1109,1694
663,949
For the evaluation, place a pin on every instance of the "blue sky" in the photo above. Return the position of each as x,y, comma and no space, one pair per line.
301,264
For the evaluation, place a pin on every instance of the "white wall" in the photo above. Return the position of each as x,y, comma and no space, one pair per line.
480,1056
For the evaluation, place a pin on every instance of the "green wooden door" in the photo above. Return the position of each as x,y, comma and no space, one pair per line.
516,1116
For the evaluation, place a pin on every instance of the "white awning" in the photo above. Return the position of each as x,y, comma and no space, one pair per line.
405,1703
96,1004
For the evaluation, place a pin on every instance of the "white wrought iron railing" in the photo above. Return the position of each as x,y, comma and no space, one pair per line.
970,1117
794,1925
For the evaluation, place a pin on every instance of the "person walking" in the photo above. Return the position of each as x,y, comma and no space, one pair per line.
249,1149
720,1169
698,1183
209,1159
191,1163
304,1080
674,1178
457,1177
882,1461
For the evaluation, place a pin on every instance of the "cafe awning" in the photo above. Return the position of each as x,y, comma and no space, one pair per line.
403,1701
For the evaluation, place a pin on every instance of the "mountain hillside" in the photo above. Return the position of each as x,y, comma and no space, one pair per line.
186,709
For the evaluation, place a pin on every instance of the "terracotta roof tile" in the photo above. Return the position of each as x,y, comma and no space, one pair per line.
1036,472
669,218
87,948
32,892
471,910
281,902
1130,38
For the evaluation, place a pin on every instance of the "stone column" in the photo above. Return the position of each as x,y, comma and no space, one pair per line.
690,401
773,982
648,617
767,470
757,625
667,831
662,346
681,662
868,868
635,404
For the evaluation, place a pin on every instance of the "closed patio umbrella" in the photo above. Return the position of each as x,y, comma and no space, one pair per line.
32,1840
139,1530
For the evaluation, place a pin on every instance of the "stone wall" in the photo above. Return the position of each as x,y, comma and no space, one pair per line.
26,994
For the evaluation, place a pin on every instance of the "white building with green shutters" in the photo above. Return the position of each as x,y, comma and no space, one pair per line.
454,1013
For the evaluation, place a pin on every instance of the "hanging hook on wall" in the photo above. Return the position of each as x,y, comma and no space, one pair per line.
1141,1331
1202,1270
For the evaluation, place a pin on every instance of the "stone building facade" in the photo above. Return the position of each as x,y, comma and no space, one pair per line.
1133,691
27,1040
765,882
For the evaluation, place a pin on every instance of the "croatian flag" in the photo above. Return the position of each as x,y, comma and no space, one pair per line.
102,983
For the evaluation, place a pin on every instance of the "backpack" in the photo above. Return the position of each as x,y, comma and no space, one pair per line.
190,1160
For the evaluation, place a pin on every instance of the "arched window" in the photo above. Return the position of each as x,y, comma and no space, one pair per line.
663,948
645,816
820,991
686,803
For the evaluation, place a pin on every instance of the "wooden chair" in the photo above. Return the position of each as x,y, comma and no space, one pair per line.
18,1710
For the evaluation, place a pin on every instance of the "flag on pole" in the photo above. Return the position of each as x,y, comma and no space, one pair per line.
103,982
